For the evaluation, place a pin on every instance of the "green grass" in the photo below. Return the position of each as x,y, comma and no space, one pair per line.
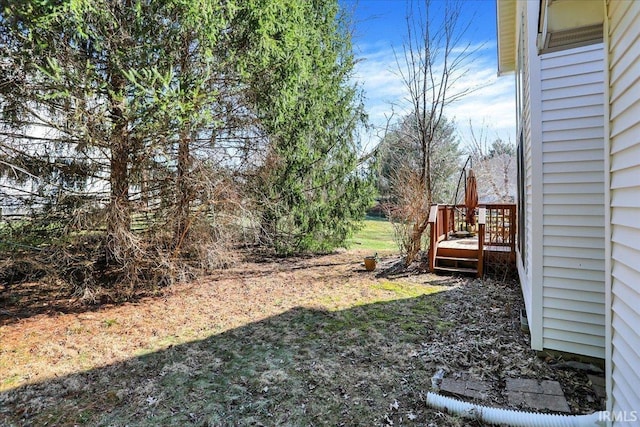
376,235
402,290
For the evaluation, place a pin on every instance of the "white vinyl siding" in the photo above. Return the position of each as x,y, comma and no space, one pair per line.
535,177
624,144
573,293
523,67
528,188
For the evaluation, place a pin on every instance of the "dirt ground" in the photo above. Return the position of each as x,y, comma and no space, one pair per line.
305,341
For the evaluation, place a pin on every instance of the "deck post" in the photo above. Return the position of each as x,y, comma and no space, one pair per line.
445,223
482,219
512,229
433,237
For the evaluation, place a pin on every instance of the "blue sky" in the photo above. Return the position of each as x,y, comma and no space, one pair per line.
380,27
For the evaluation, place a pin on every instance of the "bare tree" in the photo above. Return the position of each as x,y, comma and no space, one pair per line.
494,165
434,61
399,180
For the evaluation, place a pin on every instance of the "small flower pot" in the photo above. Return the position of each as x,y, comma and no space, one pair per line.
370,263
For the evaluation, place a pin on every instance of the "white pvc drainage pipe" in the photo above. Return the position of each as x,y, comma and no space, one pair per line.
510,417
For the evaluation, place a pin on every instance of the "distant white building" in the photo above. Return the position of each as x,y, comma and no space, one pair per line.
21,192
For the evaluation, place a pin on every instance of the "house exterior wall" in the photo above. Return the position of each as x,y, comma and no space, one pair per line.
561,128
524,135
527,75
573,292
574,159
624,205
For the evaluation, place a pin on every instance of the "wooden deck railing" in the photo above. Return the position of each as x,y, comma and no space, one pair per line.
441,222
459,214
496,226
501,225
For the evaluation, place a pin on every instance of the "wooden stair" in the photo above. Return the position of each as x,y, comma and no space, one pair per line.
456,261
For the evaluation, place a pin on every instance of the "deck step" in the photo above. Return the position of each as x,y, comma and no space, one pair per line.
452,258
457,270
456,264
457,253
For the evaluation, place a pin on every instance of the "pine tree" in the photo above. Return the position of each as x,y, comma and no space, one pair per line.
172,122
310,188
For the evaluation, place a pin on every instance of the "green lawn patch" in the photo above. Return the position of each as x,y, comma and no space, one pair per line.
376,235
403,290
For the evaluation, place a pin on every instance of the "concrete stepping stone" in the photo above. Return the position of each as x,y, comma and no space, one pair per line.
599,386
472,389
539,395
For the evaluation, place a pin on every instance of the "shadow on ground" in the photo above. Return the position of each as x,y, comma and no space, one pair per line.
24,299
361,366
367,365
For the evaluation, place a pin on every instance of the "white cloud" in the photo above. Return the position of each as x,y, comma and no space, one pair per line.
492,103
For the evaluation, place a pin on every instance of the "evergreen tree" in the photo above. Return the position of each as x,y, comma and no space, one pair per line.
311,193
168,112
121,86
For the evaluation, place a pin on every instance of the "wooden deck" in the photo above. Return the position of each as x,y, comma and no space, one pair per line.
471,243
495,239
464,243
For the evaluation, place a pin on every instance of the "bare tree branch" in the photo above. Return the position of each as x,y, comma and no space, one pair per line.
434,61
